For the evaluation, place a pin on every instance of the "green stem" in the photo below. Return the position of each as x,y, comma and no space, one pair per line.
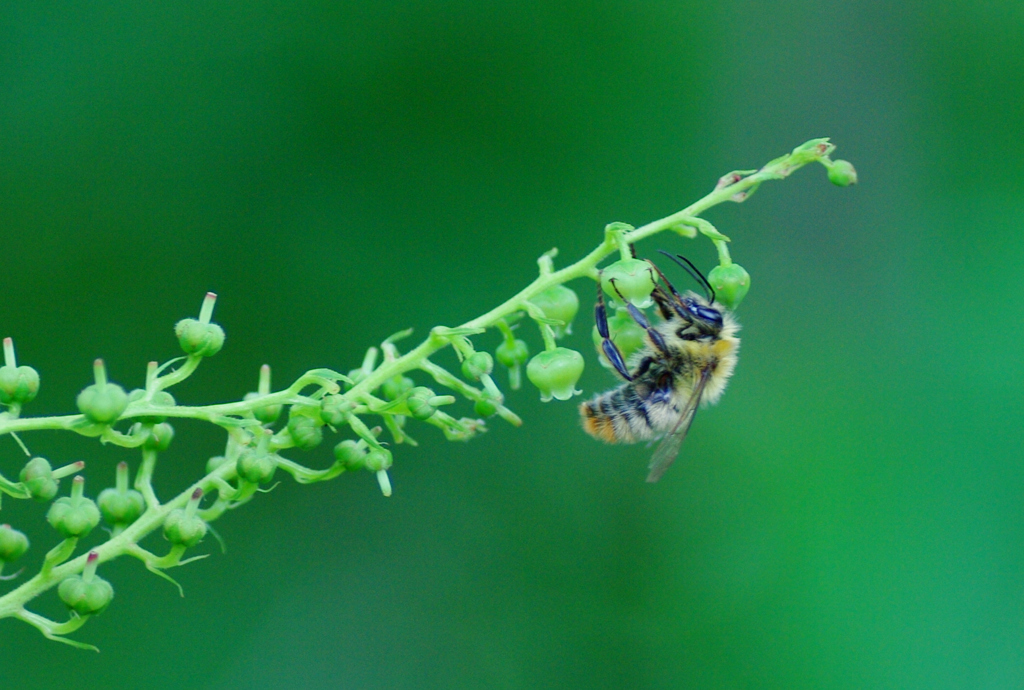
723,253
549,337
144,478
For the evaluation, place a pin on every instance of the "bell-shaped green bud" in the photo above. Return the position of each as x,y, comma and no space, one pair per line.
74,515
842,173
158,436
18,385
486,406
350,454
202,339
121,508
561,303
13,544
730,283
378,459
419,403
266,414
477,365
256,466
633,279
306,432
37,476
183,527
199,337
159,399
102,402
512,353
396,386
86,594
85,598
555,373
625,332
335,409
119,505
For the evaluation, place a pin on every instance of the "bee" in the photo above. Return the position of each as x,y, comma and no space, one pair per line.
686,361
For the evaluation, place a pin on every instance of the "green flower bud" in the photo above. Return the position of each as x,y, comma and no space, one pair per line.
102,402
419,403
477,365
256,466
555,373
350,454
197,338
158,436
121,508
306,432
485,407
395,387
512,354
120,505
18,385
633,279
86,594
561,303
842,173
625,332
334,409
75,515
37,476
267,414
730,283
377,460
160,399
214,462
183,527
13,544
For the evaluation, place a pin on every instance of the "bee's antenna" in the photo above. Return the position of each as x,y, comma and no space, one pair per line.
694,272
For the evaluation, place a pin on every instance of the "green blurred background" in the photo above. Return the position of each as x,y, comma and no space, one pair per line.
850,516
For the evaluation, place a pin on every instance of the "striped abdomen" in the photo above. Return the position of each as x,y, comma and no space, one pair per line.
621,415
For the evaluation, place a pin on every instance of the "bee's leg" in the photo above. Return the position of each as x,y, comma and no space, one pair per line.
610,349
664,304
677,306
638,316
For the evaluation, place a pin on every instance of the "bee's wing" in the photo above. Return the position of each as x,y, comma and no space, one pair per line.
668,449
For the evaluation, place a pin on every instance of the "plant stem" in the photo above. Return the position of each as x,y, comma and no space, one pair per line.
237,417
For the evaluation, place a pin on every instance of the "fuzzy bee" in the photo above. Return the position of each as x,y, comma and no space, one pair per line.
686,361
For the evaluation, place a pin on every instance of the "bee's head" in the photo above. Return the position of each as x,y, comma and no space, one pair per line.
696,308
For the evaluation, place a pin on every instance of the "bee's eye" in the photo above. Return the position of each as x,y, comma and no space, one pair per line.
706,314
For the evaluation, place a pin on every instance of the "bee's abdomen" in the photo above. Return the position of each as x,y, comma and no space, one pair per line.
618,416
